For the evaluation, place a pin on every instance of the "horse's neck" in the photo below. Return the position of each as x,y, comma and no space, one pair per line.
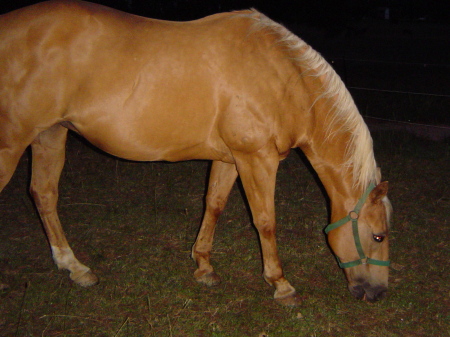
326,148
329,164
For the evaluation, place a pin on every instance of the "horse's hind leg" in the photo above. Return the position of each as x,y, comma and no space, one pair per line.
48,154
221,180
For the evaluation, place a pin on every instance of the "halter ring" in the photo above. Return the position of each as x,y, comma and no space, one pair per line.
353,215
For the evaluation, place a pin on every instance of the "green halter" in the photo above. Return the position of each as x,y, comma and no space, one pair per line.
353,217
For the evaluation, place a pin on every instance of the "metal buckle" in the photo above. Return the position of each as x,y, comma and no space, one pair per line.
353,215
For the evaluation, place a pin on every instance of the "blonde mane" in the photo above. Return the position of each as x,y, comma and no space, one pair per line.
359,153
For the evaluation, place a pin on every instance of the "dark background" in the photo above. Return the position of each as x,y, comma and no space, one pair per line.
399,46
322,13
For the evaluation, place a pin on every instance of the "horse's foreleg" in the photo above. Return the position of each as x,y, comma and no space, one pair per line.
258,175
221,180
48,150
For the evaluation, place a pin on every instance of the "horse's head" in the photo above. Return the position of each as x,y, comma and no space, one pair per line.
360,243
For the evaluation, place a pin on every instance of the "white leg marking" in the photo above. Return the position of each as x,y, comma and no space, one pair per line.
79,273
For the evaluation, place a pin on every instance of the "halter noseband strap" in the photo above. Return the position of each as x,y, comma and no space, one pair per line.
353,217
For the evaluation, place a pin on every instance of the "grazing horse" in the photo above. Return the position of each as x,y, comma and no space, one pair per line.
235,88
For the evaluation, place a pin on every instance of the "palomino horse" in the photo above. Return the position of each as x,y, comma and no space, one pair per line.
235,88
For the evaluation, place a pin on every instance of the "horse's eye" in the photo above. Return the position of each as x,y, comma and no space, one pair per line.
378,238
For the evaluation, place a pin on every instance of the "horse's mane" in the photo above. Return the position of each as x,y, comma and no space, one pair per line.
359,153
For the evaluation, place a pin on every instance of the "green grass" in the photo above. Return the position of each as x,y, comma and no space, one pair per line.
134,225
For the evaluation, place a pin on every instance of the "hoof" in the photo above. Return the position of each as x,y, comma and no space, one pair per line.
291,300
85,280
286,294
210,279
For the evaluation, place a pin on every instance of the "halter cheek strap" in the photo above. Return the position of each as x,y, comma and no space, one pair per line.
353,217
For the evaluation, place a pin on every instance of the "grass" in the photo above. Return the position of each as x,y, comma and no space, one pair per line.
134,225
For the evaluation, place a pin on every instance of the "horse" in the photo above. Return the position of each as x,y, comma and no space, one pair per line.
234,88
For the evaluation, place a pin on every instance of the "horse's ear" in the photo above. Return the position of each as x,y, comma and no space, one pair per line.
379,192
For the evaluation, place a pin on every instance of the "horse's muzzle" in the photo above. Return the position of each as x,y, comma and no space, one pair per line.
367,292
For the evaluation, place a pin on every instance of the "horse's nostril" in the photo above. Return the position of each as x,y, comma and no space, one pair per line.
376,293
382,293
358,291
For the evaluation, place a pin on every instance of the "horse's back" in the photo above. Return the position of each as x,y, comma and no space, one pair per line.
138,88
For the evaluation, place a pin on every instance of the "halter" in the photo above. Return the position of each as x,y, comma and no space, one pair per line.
353,217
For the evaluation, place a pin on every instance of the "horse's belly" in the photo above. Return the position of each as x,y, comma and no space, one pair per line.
155,142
